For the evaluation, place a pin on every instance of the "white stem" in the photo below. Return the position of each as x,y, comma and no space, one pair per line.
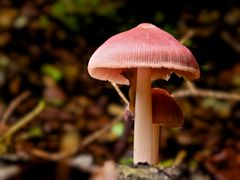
143,118
155,143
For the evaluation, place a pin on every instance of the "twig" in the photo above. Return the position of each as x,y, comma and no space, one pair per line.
187,36
192,90
53,156
180,157
56,156
120,93
14,103
231,41
191,86
100,132
23,121
206,93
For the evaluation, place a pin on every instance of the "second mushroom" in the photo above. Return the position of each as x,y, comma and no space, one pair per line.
166,113
136,57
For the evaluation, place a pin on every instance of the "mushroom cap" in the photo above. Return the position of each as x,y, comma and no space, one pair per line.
145,46
166,112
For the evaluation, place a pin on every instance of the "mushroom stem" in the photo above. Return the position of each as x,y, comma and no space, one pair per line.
143,118
156,129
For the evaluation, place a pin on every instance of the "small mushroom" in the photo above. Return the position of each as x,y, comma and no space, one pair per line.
167,113
136,57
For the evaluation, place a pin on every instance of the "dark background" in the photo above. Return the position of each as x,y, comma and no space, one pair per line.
45,47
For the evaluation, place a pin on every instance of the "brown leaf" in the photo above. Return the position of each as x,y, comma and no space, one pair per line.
224,165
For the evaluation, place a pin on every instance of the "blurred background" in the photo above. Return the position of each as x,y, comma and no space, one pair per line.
45,46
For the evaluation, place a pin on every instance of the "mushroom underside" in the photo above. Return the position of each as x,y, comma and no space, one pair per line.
115,74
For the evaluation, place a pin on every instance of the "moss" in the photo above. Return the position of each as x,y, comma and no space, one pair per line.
143,172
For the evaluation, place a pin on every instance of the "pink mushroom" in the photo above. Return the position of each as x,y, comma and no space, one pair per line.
136,57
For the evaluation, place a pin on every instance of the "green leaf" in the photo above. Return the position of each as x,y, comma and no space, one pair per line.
4,61
35,132
71,22
43,21
118,129
187,43
159,16
126,161
170,29
166,163
59,9
206,67
52,71
193,164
